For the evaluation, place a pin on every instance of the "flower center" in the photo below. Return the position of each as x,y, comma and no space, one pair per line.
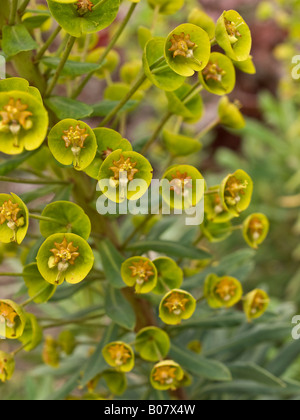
7,315
84,6
106,153
14,116
165,375
226,289
64,255
75,136
180,182
258,303
256,228
232,31
182,45
235,188
176,303
122,166
9,213
119,354
142,270
213,72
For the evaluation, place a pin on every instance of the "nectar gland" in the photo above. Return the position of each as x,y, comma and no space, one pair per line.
180,183
255,229
176,303
124,172
64,255
165,375
226,289
119,354
9,214
232,31
142,270
234,189
258,303
182,46
213,72
84,6
14,117
75,138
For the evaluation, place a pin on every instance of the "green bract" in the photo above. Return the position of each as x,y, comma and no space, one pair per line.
186,104
73,142
176,306
230,115
166,375
7,366
141,273
33,333
234,36
67,342
119,355
200,18
111,61
255,229
187,49
152,343
256,304
214,210
185,187
80,20
12,318
162,75
222,292
236,192
125,174
179,145
36,284
216,232
51,356
65,257
23,121
67,218
246,66
14,219
218,77
170,275
115,381
108,141
166,7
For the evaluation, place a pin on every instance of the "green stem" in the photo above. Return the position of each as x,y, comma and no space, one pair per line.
67,52
32,181
136,231
210,127
45,219
74,321
47,44
14,353
28,301
107,50
23,7
11,274
13,12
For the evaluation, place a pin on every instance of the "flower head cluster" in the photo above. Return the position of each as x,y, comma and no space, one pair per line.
64,255
84,6
119,353
232,31
180,182
142,270
9,214
226,289
176,303
14,117
124,166
234,189
182,45
165,375
213,72
8,315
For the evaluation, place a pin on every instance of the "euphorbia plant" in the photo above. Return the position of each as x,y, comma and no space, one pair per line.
135,296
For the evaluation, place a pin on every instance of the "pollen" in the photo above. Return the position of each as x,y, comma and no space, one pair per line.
165,375
119,354
142,270
15,112
182,45
232,30
75,137
226,289
65,252
180,182
213,72
176,303
7,315
234,189
122,166
9,212
85,6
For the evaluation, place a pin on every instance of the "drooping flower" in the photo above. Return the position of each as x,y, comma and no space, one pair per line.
256,304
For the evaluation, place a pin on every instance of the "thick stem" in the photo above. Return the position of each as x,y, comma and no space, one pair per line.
70,44
23,7
107,50
13,12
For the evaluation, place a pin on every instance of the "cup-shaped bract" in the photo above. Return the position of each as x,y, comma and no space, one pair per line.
166,375
7,366
33,333
182,187
51,352
73,142
219,76
70,218
214,209
65,257
161,75
185,103
177,305
119,355
199,18
179,145
246,66
153,344
12,318
36,284
255,229
23,122
14,219
216,232
84,16
256,304
67,342
236,192
187,49
112,61
234,36
141,273
125,175
166,7
230,114
169,275
222,292
108,141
